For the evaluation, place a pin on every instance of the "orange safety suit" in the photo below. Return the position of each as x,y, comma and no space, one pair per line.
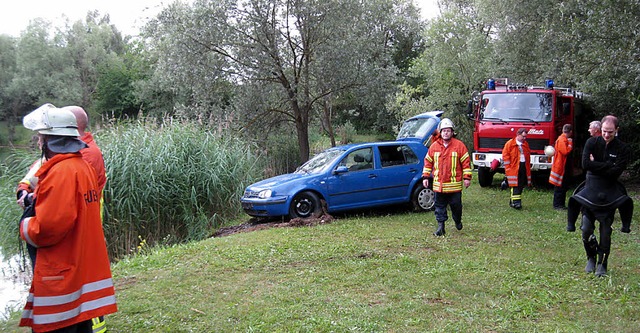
449,165
511,161
563,147
72,279
93,155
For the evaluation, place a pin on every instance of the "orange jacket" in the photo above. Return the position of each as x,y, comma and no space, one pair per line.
93,155
72,276
511,161
449,165
563,147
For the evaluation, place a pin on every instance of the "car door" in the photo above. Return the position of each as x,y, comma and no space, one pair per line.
399,166
352,188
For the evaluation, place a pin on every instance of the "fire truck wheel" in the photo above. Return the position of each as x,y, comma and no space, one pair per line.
485,176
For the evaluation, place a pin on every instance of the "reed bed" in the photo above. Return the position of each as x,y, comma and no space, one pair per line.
171,182
14,164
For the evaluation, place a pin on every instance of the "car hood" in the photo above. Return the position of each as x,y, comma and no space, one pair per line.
277,181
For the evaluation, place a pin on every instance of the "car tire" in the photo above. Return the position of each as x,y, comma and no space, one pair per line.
304,205
423,199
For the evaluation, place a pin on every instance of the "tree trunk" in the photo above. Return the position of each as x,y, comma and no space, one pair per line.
327,122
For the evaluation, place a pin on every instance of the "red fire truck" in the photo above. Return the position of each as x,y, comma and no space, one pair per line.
500,110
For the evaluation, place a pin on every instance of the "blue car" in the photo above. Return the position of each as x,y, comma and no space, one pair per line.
353,176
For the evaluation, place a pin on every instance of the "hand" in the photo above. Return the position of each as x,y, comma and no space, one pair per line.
591,157
467,183
21,195
425,183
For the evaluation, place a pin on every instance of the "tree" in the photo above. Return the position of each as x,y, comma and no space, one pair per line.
7,72
288,58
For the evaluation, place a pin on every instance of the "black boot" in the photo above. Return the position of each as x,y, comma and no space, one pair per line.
440,230
591,265
601,268
591,248
459,225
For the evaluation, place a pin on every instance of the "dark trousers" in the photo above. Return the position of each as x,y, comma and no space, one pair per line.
516,192
559,196
454,200
601,246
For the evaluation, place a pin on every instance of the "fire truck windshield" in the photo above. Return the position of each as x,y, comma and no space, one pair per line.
516,107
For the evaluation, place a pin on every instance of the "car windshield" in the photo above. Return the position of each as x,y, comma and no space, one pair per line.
517,107
417,128
319,162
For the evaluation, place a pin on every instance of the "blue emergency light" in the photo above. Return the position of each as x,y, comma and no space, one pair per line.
491,84
548,83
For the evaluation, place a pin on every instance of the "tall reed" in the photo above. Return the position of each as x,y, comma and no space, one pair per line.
171,182
13,166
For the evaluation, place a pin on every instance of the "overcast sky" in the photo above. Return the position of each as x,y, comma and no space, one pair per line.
127,15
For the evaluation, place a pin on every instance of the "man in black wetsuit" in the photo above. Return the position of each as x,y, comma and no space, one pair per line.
604,158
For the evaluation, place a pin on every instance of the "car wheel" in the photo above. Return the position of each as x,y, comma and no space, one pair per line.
423,198
305,204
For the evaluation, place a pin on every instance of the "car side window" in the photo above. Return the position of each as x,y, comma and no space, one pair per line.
361,159
397,155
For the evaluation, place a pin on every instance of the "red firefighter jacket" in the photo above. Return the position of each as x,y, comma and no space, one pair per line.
563,147
449,165
93,155
72,276
511,161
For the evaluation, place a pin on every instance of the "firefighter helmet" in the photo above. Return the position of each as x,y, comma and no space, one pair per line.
549,151
50,120
446,123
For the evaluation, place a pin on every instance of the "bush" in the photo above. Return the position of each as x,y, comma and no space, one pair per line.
171,182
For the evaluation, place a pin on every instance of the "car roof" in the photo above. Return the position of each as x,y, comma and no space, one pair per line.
428,114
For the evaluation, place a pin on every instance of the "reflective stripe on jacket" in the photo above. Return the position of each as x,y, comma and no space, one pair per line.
449,166
72,276
511,161
563,147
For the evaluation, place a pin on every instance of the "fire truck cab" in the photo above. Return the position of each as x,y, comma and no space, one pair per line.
500,110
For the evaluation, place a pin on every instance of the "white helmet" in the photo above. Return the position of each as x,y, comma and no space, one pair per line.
549,151
446,123
51,120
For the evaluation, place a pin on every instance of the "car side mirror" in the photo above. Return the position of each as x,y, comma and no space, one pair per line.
340,169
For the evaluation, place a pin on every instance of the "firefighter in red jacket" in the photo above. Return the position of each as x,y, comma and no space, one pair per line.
516,157
72,281
563,146
449,164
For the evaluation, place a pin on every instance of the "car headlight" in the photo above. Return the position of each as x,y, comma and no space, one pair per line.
264,194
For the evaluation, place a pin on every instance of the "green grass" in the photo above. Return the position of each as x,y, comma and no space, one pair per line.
506,271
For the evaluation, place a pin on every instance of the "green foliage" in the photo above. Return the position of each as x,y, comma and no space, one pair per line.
347,133
14,165
506,271
171,182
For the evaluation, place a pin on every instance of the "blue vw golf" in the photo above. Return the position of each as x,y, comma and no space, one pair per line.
353,176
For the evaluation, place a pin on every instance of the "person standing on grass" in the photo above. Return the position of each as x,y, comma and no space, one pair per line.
72,285
448,162
563,146
516,157
604,158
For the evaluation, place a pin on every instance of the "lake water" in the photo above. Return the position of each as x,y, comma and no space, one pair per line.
15,278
